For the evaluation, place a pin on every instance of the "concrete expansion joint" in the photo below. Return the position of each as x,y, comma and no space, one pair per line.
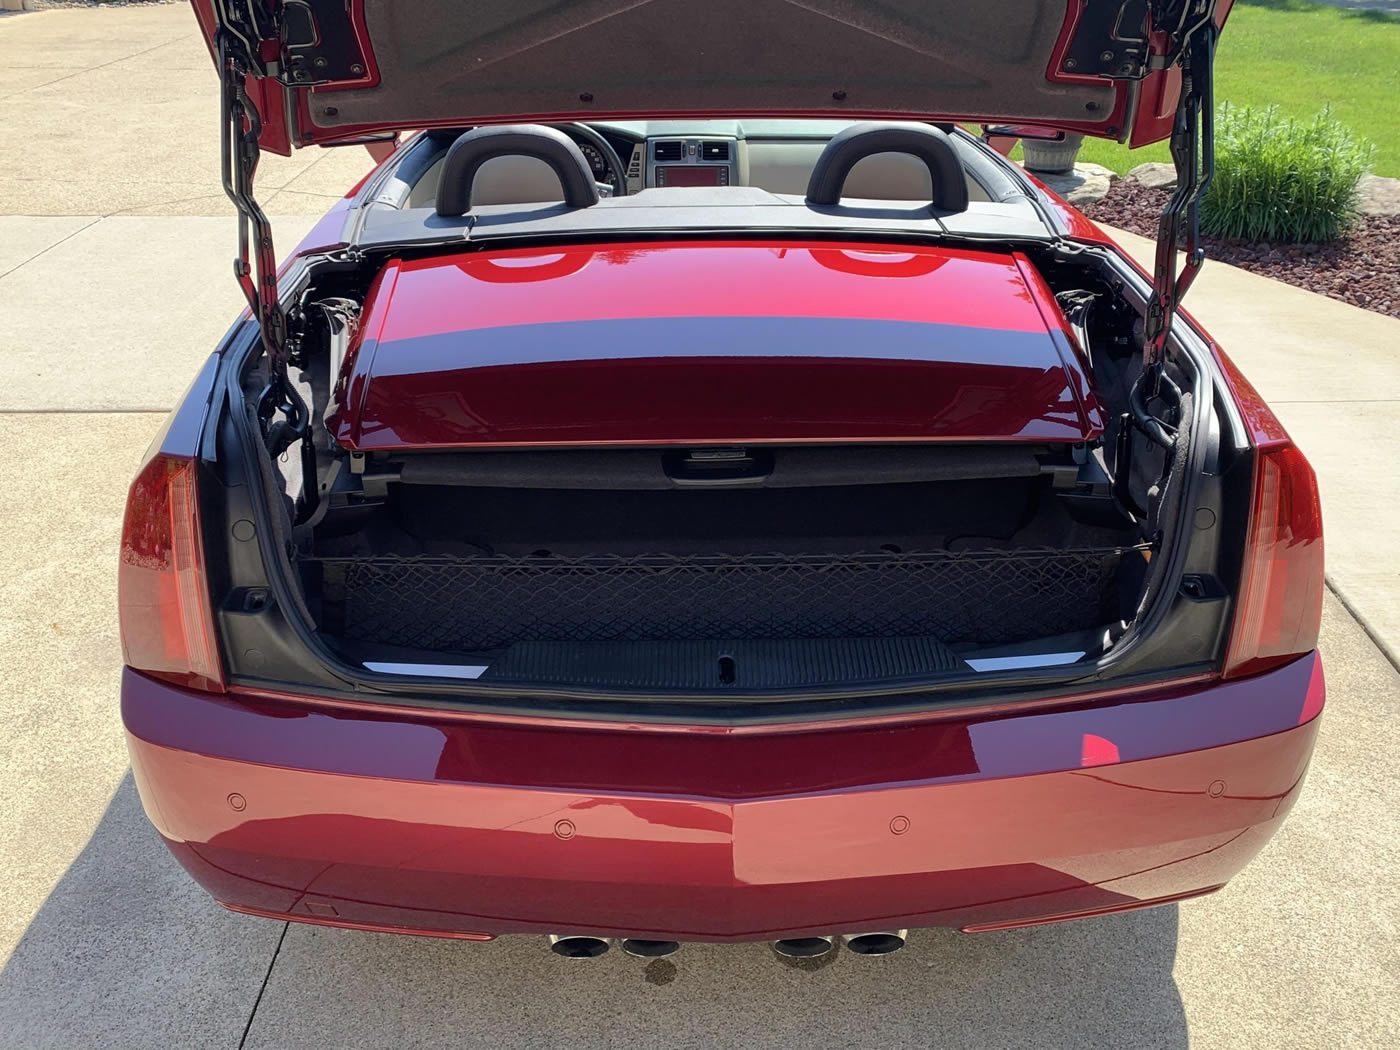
1392,657
50,248
248,1025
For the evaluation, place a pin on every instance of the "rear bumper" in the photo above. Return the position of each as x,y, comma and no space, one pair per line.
458,826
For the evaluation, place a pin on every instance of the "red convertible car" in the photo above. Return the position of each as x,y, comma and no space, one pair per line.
695,490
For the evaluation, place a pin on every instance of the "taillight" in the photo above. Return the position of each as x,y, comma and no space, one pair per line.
1280,611
166,625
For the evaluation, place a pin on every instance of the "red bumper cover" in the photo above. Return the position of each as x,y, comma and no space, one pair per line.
430,822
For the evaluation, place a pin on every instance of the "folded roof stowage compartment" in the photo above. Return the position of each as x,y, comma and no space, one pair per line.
707,343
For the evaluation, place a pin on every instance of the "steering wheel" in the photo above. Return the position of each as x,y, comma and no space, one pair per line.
618,170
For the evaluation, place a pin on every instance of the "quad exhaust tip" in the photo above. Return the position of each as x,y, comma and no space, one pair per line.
804,947
644,949
876,942
571,947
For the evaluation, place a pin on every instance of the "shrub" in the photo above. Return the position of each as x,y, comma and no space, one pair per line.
1280,179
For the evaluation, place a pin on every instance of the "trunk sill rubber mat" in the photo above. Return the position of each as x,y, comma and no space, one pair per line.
740,664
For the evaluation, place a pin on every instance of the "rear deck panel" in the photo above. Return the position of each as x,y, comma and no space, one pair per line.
710,343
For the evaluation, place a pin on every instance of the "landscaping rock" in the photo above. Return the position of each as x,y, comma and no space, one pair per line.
1156,175
1378,196
1086,184
1362,268
1097,169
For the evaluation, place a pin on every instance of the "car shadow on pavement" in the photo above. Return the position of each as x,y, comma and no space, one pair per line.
127,951
1099,983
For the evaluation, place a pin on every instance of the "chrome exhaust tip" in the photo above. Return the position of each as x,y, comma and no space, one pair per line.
572,947
876,942
644,949
804,947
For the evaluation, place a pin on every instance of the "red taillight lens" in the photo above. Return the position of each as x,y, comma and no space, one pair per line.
166,625
1280,611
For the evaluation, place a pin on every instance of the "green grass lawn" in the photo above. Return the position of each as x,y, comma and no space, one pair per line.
1301,57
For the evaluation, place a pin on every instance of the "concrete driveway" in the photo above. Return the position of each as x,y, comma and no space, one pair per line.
114,282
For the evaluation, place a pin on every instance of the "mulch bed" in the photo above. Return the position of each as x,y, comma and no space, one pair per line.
1362,269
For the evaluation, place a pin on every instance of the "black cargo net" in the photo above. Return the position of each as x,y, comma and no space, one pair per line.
467,604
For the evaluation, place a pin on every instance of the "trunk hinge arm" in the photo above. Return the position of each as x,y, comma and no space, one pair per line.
1193,154
256,276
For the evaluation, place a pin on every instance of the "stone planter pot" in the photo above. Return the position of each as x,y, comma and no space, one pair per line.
1056,157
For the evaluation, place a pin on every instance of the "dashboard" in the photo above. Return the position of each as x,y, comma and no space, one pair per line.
691,162
774,155
602,170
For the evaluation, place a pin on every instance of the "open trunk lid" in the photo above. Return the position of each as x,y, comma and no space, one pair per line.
324,71
334,71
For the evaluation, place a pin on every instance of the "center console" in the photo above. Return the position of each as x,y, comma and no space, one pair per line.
711,161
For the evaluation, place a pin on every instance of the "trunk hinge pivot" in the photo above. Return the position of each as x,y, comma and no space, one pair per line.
255,269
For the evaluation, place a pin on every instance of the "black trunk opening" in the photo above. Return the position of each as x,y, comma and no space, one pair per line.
716,587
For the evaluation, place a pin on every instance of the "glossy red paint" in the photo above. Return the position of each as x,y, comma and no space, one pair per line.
419,821
328,233
380,152
711,342
1265,429
1078,226
678,279
268,96
1077,365
1159,91
323,920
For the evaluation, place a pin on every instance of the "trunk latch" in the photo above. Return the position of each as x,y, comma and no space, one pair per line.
717,466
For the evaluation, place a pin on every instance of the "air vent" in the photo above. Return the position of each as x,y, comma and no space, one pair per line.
714,150
668,151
